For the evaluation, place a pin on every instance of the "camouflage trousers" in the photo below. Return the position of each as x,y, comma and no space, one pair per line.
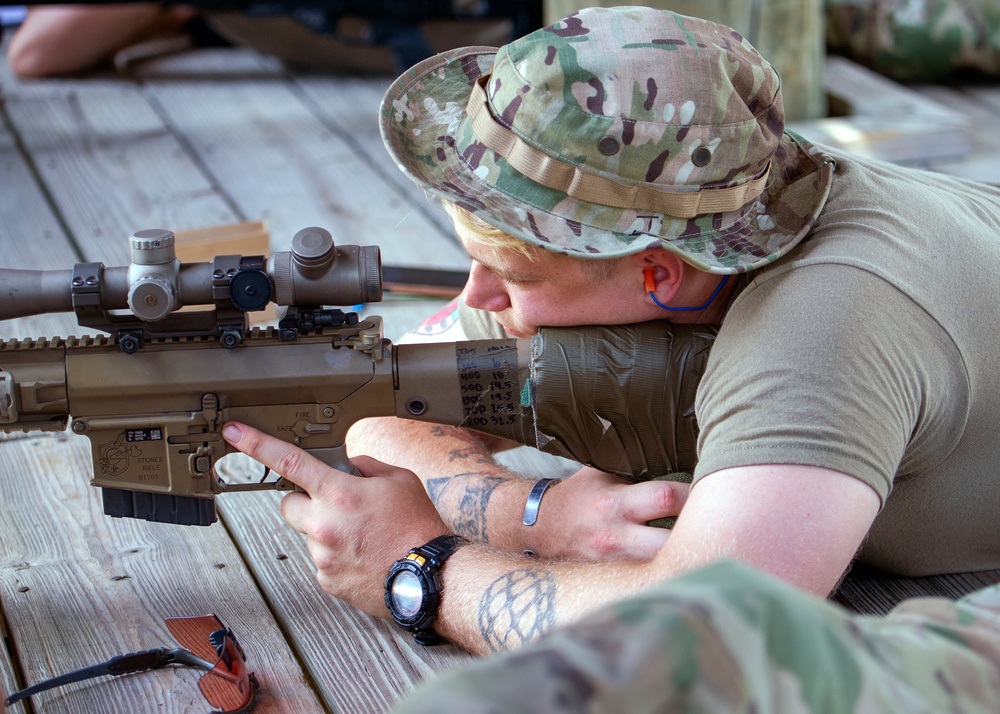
917,40
729,639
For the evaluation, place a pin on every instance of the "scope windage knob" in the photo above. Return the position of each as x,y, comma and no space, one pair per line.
312,249
151,298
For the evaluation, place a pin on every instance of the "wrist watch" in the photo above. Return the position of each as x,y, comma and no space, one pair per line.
413,587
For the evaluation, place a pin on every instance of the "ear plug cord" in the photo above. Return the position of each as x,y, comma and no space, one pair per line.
650,285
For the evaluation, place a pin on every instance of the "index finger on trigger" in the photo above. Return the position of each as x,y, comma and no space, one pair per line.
288,460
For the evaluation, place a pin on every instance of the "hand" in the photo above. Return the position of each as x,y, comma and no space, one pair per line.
355,528
599,516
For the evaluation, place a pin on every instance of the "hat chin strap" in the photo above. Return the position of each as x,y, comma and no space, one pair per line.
561,176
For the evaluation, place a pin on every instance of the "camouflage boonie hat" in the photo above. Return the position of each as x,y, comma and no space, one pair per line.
612,131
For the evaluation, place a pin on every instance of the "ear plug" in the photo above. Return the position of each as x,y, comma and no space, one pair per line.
650,283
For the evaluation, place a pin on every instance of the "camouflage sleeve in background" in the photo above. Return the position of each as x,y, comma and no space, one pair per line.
729,639
917,40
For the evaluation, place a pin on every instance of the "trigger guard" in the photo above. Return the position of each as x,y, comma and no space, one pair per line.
283,484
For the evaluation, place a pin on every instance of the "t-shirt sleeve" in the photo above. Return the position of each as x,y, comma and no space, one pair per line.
828,365
456,322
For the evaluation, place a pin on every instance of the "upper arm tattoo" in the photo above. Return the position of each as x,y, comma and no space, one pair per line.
474,448
516,608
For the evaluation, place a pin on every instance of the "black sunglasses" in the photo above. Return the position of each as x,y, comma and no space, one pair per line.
205,643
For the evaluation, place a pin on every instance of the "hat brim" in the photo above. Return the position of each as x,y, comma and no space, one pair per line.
424,126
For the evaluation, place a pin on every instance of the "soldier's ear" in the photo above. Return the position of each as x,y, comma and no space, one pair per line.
661,273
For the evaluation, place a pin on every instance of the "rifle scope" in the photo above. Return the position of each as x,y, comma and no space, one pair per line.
156,284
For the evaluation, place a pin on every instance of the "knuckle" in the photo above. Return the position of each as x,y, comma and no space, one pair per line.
324,560
664,499
606,504
342,500
326,535
602,543
289,462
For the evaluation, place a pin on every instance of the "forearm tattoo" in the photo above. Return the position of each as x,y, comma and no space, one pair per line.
474,447
465,510
516,608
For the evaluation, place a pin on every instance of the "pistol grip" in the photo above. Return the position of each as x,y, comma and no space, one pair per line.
336,456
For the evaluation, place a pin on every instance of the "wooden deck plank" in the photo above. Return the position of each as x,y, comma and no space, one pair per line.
231,64
885,120
347,104
359,663
980,105
30,234
79,587
987,94
351,105
112,166
280,163
872,592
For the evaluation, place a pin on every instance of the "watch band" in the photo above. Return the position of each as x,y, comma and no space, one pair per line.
535,500
439,548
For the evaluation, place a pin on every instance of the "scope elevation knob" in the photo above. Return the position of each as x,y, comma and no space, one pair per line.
154,246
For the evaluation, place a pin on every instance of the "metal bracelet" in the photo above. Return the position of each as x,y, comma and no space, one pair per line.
535,500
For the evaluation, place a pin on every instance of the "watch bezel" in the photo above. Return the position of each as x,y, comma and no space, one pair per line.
425,563
429,603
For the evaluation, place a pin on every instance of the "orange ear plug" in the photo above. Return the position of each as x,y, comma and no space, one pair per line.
650,283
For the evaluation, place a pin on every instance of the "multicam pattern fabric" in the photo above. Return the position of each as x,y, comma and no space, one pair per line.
729,639
639,95
917,40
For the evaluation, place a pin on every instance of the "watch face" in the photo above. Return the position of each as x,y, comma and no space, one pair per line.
407,594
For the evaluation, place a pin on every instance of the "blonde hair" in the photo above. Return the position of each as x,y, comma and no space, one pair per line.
497,240
489,235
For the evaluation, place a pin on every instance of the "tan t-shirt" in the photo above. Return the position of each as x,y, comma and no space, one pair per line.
872,349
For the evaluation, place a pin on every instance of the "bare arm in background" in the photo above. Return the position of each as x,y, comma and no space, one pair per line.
57,40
